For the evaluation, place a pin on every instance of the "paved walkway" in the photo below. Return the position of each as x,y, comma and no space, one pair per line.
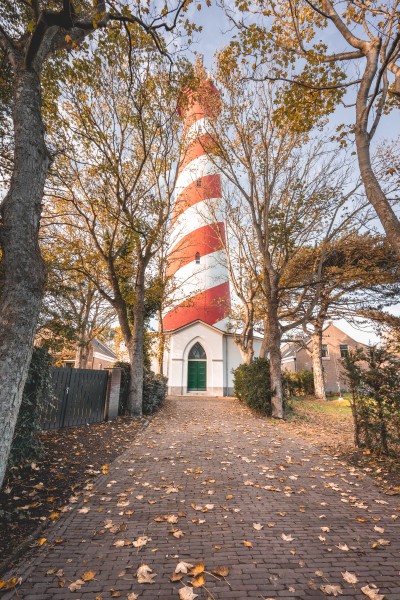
208,471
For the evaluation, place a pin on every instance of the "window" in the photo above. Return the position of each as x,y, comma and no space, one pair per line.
344,350
198,182
197,258
324,352
197,352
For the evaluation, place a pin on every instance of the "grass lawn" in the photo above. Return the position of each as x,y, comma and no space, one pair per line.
332,406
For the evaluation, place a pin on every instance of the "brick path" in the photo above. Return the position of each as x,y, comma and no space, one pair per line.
215,452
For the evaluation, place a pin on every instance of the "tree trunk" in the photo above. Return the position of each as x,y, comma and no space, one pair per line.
135,399
161,344
246,345
319,385
373,190
275,358
22,264
82,355
264,343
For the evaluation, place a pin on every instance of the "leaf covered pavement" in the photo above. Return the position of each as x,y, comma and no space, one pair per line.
259,515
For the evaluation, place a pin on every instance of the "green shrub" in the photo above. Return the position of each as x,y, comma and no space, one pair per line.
154,390
26,444
252,384
374,381
300,383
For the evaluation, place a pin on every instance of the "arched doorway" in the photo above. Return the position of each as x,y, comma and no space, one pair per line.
197,369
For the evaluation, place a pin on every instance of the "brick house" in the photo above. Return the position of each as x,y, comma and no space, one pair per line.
296,356
100,357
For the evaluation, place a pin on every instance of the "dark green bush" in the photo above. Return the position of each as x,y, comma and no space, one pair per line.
374,381
300,383
252,385
154,390
26,444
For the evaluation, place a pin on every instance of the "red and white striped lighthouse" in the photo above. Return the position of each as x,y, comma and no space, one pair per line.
197,259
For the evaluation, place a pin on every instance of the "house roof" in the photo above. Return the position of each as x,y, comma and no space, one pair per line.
103,349
194,323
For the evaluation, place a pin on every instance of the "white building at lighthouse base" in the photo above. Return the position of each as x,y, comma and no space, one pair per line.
221,356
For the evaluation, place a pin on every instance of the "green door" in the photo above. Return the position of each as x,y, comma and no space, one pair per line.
197,375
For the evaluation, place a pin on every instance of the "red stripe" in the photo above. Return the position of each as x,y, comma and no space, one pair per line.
209,306
204,240
204,144
192,194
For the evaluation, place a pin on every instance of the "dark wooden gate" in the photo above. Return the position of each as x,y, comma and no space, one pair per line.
78,398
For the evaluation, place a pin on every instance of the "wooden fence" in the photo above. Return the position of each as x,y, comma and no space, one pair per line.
78,398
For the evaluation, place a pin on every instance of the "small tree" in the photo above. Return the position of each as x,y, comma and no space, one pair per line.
375,390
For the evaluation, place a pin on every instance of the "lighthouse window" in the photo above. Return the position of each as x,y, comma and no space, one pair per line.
198,182
197,258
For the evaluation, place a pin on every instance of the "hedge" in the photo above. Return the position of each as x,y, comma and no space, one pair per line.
252,384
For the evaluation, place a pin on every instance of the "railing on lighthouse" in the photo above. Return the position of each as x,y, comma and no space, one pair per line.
197,260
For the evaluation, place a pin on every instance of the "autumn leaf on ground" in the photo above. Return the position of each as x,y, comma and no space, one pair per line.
287,538
220,570
182,567
141,541
349,577
145,574
331,590
10,584
76,585
88,575
343,547
258,526
199,580
132,596
176,577
119,543
197,569
177,533
247,544
84,510
187,593
42,541
372,593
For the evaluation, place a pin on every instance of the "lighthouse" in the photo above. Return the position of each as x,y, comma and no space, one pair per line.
197,261
200,352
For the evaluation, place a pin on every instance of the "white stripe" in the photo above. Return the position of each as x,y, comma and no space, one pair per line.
198,128
198,167
192,279
206,212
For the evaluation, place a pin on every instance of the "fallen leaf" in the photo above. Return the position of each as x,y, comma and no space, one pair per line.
372,593
141,541
258,526
76,585
132,596
182,567
199,580
343,547
220,570
197,569
331,590
287,538
88,575
187,593
176,577
349,577
145,574
247,544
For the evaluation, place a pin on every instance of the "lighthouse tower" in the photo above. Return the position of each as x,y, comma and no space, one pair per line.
200,353
197,260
